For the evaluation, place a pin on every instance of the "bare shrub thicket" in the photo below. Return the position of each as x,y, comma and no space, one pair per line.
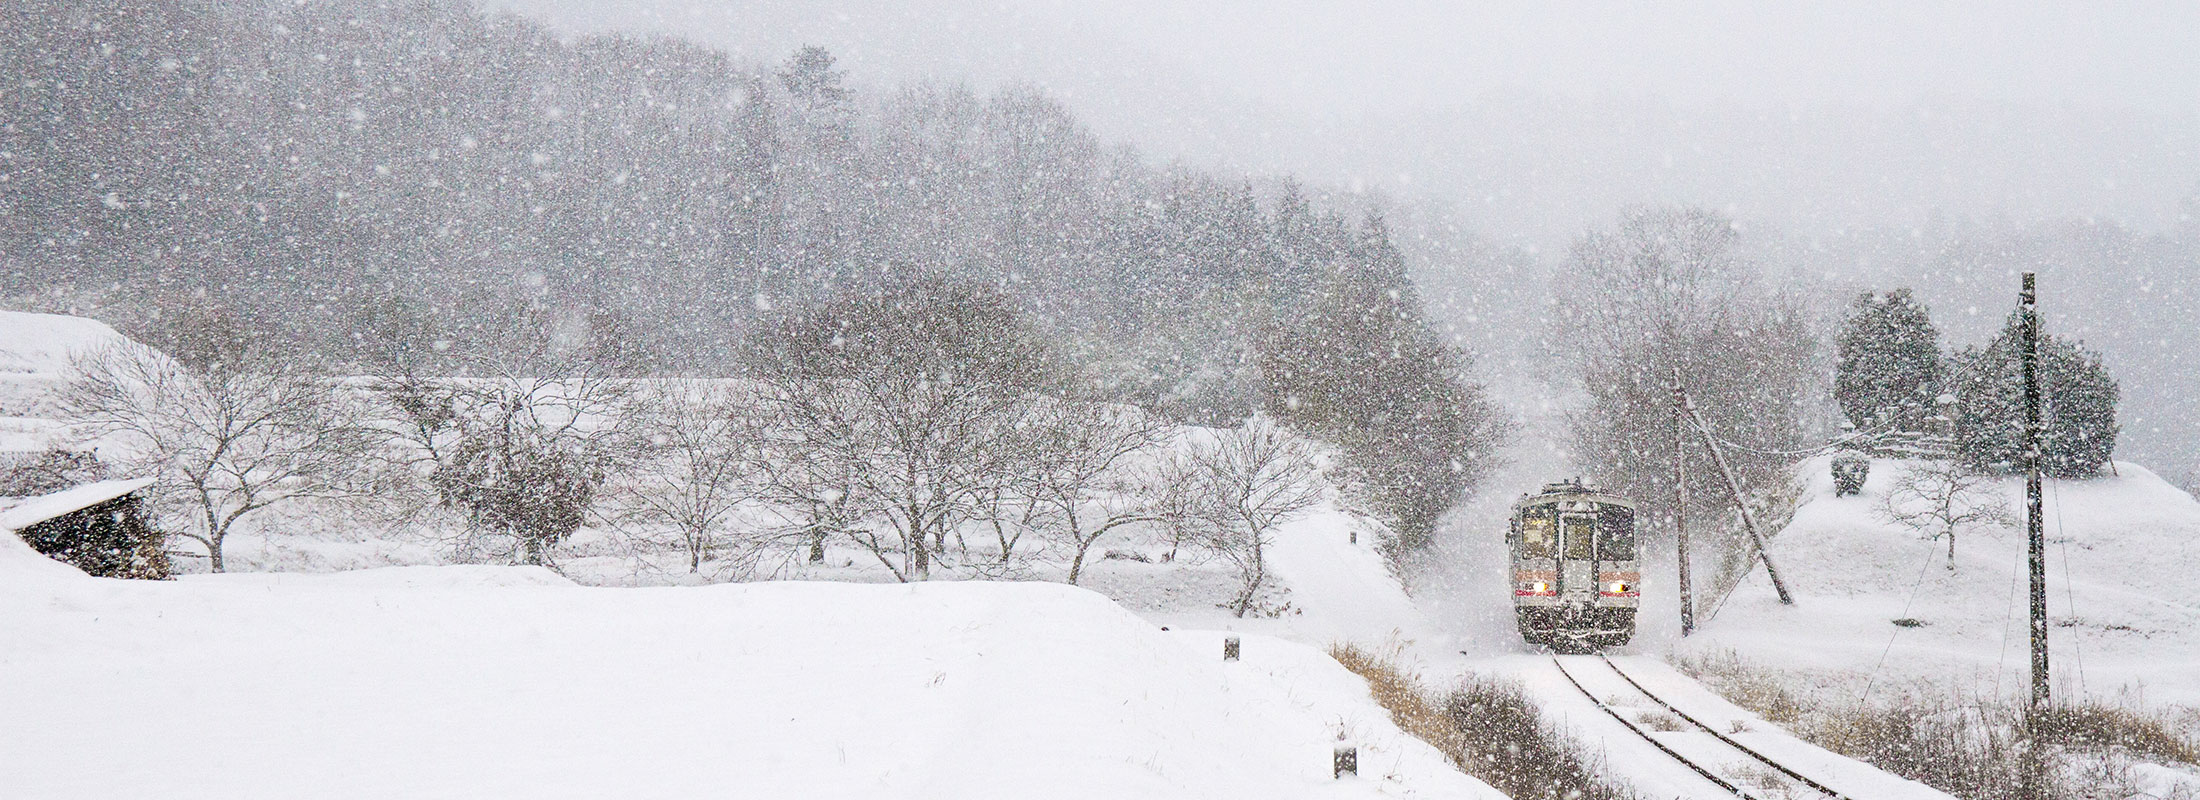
519,442
229,435
1487,727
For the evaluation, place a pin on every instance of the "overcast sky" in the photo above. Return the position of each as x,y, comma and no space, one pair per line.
1538,118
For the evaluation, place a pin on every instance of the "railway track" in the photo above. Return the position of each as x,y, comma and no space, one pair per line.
1733,767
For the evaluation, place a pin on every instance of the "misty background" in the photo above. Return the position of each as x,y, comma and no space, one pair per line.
1941,146
322,159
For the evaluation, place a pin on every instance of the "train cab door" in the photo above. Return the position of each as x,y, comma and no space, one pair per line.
1577,567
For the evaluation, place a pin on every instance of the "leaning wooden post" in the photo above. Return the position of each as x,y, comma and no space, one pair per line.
1749,523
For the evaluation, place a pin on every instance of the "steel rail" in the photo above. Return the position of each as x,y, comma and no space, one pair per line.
1661,746
1745,749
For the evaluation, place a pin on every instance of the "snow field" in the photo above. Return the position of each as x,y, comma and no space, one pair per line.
2120,549
495,682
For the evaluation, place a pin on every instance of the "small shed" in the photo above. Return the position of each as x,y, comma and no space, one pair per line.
97,527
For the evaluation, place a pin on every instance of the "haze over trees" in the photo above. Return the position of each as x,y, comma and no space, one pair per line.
345,174
1664,295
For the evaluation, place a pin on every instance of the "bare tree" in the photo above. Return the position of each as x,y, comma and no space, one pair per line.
530,451
1250,481
1939,498
1662,294
900,412
1083,484
228,438
521,440
696,467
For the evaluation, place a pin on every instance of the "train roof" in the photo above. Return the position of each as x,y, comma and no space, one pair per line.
1571,490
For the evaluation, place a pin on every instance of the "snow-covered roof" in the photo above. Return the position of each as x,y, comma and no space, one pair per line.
39,509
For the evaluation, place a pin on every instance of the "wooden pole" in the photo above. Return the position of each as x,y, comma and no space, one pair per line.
1749,523
1680,503
2032,506
2029,357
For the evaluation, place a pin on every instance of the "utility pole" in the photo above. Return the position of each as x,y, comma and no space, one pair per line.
1749,523
1680,501
2032,508
2034,763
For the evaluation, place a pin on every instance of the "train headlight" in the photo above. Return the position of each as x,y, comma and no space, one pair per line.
1541,587
1619,587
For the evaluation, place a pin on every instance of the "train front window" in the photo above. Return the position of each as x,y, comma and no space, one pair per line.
1581,537
1536,534
1619,535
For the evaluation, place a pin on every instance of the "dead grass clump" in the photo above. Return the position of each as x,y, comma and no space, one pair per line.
1976,749
1972,752
1399,692
1745,686
1507,745
1487,727
2097,726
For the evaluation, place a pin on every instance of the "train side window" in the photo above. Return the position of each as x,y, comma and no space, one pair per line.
1619,535
1536,534
1581,537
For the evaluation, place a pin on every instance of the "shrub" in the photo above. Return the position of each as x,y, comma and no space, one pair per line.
1971,748
109,540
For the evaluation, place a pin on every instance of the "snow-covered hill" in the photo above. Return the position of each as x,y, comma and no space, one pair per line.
2121,553
495,682
34,359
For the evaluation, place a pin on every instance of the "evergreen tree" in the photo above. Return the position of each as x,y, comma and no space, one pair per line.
1887,364
2077,406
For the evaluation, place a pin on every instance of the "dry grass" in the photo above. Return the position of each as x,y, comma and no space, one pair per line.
1400,692
1487,727
1968,747
2096,726
1746,686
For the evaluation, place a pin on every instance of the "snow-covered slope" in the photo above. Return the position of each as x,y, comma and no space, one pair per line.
34,358
491,682
42,344
2121,553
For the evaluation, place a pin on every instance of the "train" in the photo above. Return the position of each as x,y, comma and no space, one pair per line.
1577,577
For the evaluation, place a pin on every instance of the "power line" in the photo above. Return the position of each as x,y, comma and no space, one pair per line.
1869,680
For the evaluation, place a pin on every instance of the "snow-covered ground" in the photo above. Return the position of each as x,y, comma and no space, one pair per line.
345,660
498,681
2120,552
348,657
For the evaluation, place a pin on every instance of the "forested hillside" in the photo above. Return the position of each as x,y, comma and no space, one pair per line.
343,179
